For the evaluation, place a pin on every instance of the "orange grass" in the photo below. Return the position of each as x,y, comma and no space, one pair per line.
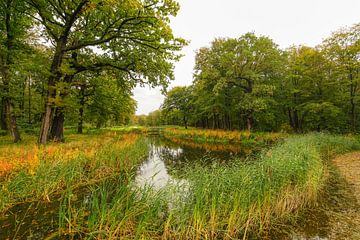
221,135
234,148
27,155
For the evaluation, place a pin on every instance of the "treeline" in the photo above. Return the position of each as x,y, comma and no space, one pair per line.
76,62
250,83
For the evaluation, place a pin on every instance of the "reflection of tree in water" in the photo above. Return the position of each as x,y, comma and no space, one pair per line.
178,157
238,149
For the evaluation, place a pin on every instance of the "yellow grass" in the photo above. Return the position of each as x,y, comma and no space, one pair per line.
27,155
221,135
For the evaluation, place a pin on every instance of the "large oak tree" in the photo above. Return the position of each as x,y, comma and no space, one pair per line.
130,36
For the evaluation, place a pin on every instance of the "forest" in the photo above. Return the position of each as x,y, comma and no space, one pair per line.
249,83
83,66
79,61
263,144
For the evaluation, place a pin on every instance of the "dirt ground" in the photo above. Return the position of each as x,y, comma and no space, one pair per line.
348,217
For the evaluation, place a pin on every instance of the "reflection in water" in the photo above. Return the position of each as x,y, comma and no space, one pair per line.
153,172
213,147
168,158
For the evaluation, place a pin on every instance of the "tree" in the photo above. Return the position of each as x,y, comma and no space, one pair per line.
342,48
13,32
127,36
306,84
108,100
246,66
178,99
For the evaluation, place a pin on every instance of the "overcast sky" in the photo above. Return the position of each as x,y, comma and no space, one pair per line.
287,22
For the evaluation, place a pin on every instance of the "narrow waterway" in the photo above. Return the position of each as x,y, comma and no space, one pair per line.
163,165
168,158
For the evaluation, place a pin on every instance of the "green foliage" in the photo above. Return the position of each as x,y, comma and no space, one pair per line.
55,174
249,83
177,104
251,197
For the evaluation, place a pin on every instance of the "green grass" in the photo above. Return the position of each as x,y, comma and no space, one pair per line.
235,201
222,136
54,175
239,200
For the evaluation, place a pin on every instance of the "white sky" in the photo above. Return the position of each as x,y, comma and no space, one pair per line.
287,22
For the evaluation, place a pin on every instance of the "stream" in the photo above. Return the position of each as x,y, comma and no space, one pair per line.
166,160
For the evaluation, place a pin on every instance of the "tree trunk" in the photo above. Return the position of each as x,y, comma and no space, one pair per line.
185,122
297,124
29,101
11,121
57,127
9,107
45,124
3,124
249,121
353,89
353,115
292,125
81,110
81,120
6,74
51,91
22,102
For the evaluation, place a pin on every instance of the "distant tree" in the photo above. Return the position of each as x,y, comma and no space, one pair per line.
307,84
342,48
154,118
179,99
14,25
242,69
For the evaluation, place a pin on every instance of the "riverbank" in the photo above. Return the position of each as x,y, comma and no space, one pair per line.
252,199
221,136
31,172
90,185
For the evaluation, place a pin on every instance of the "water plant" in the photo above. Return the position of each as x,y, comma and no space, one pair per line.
221,136
49,170
97,196
240,200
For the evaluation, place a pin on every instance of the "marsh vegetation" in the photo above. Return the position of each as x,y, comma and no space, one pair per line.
127,185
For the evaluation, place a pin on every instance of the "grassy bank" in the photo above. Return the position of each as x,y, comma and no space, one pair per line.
243,199
220,136
222,202
33,173
240,200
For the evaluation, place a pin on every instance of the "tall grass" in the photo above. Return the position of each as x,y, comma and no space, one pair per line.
228,202
72,165
221,202
221,136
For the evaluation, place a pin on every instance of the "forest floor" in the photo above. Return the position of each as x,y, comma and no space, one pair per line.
348,219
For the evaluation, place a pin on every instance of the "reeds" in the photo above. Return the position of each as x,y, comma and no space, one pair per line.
233,201
72,165
221,136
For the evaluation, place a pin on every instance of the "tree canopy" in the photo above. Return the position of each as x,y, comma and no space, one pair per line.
123,43
250,83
